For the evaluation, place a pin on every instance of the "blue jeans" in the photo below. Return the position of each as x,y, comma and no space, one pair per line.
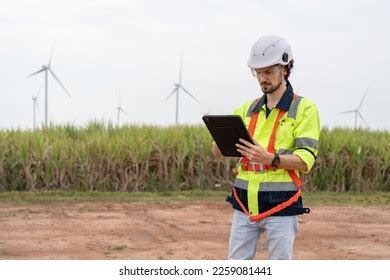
244,236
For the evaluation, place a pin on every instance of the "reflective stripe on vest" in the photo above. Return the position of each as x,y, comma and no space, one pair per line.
293,110
267,186
253,203
306,142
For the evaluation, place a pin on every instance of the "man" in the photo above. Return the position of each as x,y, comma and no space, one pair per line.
285,128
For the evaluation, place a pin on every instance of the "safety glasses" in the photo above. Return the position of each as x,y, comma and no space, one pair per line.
257,73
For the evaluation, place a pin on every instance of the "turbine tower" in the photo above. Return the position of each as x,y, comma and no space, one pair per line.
356,111
120,109
46,69
35,108
176,90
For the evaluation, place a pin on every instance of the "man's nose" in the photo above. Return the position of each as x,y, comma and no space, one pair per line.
262,79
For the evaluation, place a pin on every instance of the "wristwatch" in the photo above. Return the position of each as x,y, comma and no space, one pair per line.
276,160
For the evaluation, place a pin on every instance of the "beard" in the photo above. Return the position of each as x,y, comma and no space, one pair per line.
269,88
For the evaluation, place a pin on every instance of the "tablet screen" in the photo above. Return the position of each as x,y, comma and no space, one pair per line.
226,131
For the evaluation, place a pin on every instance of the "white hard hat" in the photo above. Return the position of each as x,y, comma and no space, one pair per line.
270,50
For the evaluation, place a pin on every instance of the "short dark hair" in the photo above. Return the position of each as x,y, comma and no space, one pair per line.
289,67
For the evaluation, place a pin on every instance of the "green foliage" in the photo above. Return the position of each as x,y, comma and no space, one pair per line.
101,157
352,160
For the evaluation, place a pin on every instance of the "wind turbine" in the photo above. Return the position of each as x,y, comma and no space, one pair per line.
46,69
356,111
35,108
208,111
176,90
120,109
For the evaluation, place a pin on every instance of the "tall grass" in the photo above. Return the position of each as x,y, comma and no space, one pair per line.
352,160
151,158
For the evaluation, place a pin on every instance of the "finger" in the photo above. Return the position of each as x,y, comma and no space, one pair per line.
249,144
257,144
244,153
244,148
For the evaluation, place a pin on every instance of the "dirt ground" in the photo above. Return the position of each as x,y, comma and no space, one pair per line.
178,230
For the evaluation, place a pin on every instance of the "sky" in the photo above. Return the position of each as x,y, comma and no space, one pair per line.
128,51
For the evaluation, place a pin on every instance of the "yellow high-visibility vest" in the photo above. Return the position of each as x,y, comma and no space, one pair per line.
298,133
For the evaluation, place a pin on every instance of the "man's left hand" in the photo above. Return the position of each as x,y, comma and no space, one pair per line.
254,152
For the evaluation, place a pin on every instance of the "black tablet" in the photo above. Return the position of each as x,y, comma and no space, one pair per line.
226,130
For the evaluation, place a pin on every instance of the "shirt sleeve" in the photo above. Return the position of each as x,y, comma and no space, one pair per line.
307,133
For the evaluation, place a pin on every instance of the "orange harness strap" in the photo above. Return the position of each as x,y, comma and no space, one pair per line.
271,148
251,129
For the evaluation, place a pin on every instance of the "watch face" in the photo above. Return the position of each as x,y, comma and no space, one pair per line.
276,160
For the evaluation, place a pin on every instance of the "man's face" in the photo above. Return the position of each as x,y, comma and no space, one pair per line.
270,78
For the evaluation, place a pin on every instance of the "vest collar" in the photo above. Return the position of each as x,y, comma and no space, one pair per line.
283,104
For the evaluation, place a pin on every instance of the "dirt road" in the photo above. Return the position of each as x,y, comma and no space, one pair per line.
178,230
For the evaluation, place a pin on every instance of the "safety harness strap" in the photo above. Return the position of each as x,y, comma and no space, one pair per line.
245,162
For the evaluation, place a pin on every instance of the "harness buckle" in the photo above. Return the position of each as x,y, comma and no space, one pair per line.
255,167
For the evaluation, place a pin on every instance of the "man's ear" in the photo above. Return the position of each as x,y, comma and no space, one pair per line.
284,72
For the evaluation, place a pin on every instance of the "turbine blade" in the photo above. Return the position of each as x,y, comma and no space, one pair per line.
181,66
58,80
349,111
364,96
124,111
169,96
51,54
186,91
39,71
360,115
39,91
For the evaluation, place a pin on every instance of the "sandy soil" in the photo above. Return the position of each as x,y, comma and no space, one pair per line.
178,230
